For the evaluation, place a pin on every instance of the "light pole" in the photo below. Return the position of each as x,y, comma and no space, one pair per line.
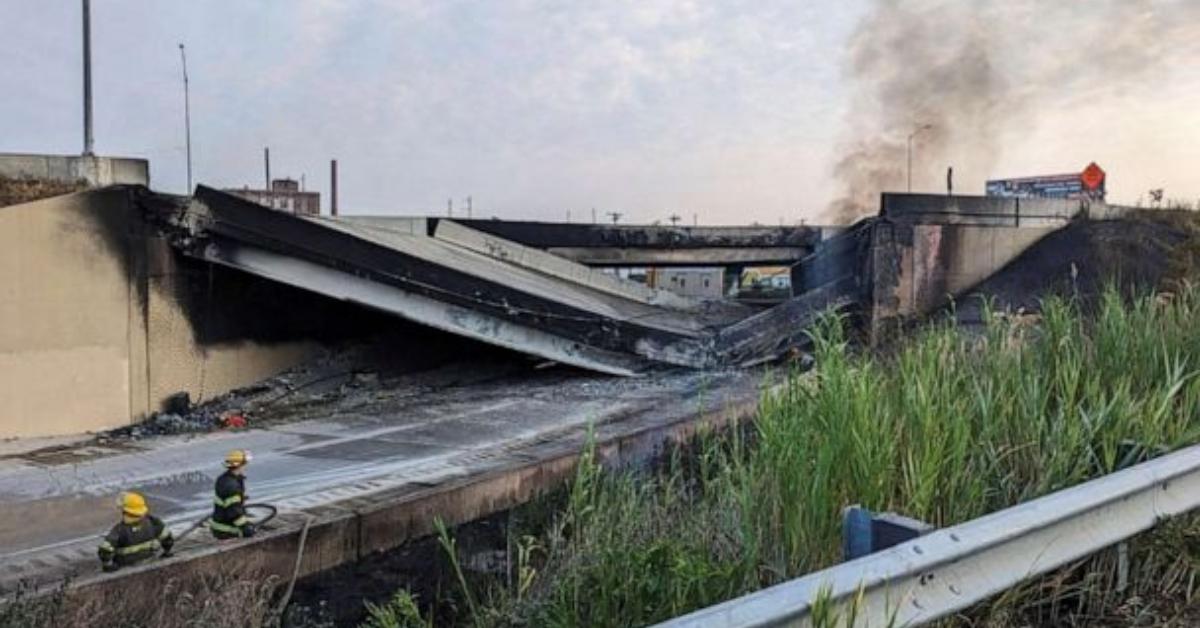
187,117
923,127
88,142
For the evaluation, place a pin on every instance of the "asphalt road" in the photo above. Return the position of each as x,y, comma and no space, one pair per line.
58,502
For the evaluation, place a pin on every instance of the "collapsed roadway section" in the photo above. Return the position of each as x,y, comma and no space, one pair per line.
468,282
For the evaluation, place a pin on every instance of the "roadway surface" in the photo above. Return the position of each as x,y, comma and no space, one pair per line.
322,447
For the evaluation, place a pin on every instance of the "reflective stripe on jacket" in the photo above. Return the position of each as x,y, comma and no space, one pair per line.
229,504
131,542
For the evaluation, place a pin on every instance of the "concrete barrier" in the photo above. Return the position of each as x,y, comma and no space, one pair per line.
95,170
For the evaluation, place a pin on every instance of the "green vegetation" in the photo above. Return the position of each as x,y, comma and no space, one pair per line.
952,425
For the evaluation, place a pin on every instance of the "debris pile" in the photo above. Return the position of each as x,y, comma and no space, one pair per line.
351,377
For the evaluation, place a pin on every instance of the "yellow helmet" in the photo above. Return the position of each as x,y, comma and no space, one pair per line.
236,458
133,504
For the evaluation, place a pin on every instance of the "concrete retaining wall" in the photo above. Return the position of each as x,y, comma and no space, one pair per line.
917,268
92,335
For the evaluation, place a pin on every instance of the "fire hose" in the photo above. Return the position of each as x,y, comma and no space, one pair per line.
203,521
271,512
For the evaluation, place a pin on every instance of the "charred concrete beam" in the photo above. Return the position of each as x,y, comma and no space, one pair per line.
837,258
556,266
570,312
772,334
981,210
707,256
545,235
412,306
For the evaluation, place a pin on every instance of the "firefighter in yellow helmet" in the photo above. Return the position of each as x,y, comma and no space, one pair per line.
137,538
229,505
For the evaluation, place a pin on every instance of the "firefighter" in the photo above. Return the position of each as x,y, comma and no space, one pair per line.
137,538
229,505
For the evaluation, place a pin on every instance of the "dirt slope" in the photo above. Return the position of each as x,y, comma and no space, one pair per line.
1145,251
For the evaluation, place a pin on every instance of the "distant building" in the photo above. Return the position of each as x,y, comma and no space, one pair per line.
705,283
284,195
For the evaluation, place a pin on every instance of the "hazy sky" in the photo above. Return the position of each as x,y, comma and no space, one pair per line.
735,111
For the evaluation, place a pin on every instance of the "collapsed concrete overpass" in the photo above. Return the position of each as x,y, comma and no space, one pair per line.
447,275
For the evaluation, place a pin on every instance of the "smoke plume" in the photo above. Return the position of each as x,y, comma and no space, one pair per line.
963,79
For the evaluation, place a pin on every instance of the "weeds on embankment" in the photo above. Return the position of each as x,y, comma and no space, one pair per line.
948,427
236,600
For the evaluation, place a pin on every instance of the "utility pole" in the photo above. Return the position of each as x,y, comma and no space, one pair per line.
187,119
450,208
333,208
615,216
88,139
593,215
468,207
674,218
917,130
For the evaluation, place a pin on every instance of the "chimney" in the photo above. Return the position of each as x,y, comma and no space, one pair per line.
333,187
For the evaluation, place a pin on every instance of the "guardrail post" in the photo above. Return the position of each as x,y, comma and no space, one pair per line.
856,532
865,532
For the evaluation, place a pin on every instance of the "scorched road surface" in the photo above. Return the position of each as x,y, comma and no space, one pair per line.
57,504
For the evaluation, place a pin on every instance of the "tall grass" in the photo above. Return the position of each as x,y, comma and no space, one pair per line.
951,425
236,600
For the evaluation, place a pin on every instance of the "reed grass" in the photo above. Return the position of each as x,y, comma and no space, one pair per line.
950,425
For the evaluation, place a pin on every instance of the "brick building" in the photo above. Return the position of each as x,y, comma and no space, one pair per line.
284,195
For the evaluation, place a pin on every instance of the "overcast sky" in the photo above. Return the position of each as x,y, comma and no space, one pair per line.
735,111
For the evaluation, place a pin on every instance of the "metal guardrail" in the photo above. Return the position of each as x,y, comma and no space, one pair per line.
950,569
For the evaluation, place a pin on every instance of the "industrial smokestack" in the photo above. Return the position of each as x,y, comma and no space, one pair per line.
267,166
333,187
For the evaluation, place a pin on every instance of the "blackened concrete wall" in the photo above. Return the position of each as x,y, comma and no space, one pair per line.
97,326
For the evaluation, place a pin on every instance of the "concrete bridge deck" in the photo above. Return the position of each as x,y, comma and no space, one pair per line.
644,245
470,283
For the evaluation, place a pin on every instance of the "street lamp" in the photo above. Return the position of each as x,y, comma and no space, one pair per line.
923,127
187,117
88,139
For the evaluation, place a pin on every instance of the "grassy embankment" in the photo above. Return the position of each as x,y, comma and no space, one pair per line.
948,427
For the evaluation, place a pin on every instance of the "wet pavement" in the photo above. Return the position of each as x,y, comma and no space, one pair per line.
378,434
